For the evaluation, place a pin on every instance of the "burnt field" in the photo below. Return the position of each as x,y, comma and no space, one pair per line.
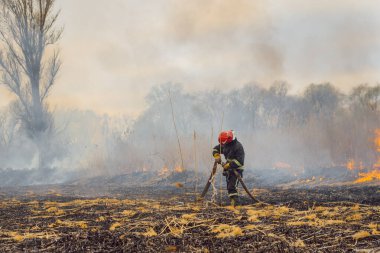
68,218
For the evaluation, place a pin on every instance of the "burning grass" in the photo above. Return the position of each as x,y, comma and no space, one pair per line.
58,223
369,176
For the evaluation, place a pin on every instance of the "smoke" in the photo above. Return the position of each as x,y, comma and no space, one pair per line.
322,128
214,48
218,44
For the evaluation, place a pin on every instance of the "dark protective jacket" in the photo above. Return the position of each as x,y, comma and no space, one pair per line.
233,152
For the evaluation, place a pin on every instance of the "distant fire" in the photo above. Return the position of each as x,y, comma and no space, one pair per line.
350,164
164,171
377,145
353,165
179,169
368,176
375,173
377,140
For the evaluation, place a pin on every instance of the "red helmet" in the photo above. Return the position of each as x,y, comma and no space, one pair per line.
226,137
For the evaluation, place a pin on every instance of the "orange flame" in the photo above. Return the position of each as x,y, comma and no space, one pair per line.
377,140
350,164
377,145
164,171
178,185
179,169
368,176
375,173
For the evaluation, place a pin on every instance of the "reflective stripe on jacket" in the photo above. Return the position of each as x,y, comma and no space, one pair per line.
233,152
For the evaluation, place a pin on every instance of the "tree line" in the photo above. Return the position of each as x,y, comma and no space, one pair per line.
321,127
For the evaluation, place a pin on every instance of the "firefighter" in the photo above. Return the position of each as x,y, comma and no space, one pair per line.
233,152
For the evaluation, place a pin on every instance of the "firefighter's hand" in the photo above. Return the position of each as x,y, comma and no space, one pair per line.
217,157
226,166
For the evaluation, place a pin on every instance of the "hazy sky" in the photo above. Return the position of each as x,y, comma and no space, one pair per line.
114,51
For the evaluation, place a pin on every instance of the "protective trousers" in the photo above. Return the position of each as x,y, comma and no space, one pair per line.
232,182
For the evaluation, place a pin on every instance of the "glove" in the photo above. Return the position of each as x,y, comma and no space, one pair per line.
217,157
226,166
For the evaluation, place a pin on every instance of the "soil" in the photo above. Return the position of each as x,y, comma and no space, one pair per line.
74,218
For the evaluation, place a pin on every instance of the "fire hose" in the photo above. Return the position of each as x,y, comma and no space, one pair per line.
209,181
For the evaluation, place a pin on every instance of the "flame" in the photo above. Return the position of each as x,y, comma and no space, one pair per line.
179,169
350,164
164,171
373,174
377,145
178,185
377,139
353,165
368,176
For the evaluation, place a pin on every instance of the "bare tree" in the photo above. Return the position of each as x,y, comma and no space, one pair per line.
28,66
323,99
8,128
366,97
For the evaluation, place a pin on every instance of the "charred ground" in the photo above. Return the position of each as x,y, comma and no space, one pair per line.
111,218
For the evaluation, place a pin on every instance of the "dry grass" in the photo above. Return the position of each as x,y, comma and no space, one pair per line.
317,227
115,226
298,244
225,230
150,232
360,235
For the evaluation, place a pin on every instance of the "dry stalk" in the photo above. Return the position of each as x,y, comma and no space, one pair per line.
195,162
176,130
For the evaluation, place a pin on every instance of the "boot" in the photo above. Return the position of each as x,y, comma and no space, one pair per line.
234,200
